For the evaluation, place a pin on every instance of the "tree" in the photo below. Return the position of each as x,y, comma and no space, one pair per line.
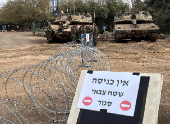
160,12
25,11
137,5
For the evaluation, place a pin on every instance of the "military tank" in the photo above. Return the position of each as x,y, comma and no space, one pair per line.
61,27
135,27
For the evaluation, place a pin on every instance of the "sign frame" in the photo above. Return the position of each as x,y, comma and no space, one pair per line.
151,107
89,41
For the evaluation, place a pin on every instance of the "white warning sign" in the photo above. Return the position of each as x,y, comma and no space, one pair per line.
114,91
87,38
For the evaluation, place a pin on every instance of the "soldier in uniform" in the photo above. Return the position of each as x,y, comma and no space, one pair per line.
77,33
90,28
87,29
74,33
60,28
82,30
95,33
133,20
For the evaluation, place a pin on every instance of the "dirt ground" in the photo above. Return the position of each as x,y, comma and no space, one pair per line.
18,49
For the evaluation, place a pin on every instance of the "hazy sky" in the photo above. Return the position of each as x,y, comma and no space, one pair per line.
2,2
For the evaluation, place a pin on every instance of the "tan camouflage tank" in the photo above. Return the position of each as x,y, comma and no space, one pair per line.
135,27
61,29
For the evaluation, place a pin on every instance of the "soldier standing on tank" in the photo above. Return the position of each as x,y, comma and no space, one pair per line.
74,33
133,19
95,33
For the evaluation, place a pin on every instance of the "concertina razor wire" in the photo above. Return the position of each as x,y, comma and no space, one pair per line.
43,93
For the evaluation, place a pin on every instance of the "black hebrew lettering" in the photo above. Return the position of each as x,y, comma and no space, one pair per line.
112,82
121,94
107,81
94,79
122,82
109,104
117,83
105,103
99,102
114,93
104,92
125,82
95,91
102,103
100,81
110,92
101,92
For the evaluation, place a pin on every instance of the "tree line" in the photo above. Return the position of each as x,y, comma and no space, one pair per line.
102,11
159,9
24,12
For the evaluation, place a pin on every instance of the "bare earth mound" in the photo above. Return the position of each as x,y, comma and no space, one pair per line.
22,49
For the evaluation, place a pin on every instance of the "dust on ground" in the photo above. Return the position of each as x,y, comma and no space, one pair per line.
22,49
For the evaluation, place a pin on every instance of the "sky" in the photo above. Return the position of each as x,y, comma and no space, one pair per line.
2,2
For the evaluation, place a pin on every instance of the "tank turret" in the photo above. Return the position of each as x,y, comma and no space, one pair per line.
61,29
134,26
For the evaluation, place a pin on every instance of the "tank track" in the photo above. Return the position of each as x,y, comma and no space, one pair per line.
118,38
154,37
